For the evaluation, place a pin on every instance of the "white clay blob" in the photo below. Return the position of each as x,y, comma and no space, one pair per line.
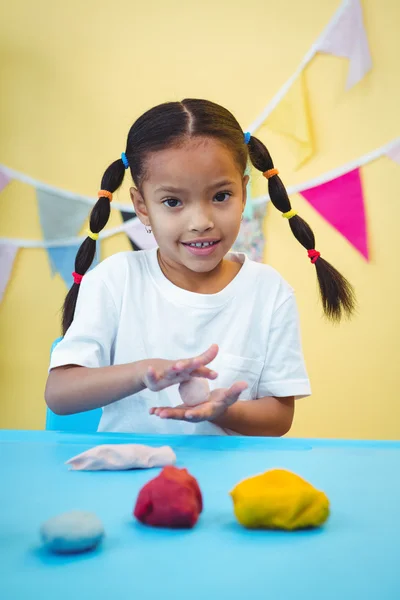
75,531
116,457
195,391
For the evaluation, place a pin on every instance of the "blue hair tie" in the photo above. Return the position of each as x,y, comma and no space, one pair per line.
247,137
125,160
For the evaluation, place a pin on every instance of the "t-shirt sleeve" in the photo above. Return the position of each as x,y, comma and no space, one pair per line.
90,338
284,373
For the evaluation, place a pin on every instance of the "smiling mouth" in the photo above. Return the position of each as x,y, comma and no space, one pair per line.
201,244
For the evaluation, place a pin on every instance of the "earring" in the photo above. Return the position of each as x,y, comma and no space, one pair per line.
148,229
241,218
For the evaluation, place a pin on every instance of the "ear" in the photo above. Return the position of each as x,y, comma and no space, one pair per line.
245,182
139,205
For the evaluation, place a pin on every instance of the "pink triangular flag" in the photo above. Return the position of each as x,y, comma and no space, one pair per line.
8,252
139,236
347,38
394,152
4,180
341,202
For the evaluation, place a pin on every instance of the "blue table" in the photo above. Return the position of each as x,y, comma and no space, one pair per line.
354,556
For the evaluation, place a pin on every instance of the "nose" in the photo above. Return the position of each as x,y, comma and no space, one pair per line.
201,219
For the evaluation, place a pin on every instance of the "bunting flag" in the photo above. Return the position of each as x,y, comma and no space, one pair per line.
62,261
394,152
346,37
8,252
4,180
341,203
56,217
249,208
140,239
251,236
127,217
291,118
59,221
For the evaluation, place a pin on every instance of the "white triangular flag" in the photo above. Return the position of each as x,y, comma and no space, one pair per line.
346,37
8,252
394,152
137,233
4,180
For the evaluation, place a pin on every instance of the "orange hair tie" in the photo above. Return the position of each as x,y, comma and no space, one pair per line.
105,194
270,173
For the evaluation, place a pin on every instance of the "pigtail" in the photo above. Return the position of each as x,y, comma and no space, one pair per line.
337,294
99,216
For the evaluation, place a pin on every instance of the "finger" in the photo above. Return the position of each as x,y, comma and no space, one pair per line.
232,394
175,372
190,364
205,372
199,361
155,410
209,355
180,414
168,412
182,367
201,412
187,365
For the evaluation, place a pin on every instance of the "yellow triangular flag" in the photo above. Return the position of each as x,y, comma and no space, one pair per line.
292,118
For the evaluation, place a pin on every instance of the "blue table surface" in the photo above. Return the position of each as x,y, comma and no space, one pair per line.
354,556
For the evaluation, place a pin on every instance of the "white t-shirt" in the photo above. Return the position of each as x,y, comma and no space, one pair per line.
127,310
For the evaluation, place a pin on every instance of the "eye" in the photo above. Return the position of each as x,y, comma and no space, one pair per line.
173,202
220,197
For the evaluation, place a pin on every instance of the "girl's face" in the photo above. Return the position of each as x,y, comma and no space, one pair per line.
193,194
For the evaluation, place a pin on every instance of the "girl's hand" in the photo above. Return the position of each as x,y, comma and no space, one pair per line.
161,373
217,403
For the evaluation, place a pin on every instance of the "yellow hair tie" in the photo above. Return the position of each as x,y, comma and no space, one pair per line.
289,214
94,236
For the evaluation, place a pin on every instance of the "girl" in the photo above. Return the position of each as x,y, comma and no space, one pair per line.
142,322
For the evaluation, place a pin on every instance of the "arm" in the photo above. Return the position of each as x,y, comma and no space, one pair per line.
71,389
268,416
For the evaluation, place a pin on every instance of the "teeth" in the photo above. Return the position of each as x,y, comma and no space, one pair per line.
202,245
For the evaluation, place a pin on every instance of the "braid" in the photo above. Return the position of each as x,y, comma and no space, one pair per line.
99,216
336,292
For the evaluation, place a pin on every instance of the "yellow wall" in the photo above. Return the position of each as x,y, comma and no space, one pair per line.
74,77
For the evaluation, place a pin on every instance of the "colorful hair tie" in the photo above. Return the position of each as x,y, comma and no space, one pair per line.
247,137
270,173
289,214
94,236
125,160
105,194
77,277
314,255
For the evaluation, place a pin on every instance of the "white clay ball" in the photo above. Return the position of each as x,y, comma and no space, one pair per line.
195,391
75,531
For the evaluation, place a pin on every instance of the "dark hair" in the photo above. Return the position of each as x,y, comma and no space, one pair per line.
171,124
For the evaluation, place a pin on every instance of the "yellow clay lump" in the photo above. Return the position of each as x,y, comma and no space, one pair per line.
279,499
